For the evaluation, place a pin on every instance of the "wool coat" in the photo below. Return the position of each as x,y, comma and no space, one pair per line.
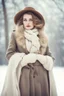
35,80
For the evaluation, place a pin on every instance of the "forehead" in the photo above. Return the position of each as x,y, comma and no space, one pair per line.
27,16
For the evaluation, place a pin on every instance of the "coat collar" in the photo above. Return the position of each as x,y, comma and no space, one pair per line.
20,38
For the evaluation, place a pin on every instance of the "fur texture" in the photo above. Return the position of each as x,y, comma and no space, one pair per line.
20,39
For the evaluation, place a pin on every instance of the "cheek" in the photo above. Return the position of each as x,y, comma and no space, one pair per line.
32,24
24,23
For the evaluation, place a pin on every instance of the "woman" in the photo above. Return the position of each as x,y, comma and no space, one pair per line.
30,62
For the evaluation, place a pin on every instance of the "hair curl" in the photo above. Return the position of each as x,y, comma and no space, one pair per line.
36,21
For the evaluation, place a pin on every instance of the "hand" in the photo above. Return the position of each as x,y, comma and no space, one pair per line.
30,58
41,58
47,61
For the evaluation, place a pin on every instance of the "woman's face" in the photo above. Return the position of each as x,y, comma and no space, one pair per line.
28,21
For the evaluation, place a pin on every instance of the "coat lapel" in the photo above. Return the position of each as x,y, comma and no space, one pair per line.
20,38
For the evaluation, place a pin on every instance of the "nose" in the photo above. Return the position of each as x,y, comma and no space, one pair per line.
28,22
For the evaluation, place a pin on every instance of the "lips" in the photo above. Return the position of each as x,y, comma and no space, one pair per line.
28,26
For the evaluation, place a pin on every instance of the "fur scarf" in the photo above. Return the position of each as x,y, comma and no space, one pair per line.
20,38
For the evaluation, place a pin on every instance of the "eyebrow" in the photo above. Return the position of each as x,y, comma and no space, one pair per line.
26,18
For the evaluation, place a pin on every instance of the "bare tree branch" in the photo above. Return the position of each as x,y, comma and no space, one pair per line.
58,6
63,1
15,4
25,2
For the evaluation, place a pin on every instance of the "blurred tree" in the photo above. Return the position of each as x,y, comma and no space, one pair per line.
25,2
59,36
5,23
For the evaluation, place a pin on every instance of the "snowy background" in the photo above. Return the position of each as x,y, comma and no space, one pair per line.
58,76
53,13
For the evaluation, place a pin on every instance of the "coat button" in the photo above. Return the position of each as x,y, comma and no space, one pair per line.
33,76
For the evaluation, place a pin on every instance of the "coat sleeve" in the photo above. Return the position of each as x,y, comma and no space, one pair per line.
48,52
11,47
46,60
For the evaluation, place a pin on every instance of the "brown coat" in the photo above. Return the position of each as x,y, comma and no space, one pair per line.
18,44
34,80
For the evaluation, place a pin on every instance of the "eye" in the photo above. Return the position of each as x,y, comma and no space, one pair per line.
24,19
30,19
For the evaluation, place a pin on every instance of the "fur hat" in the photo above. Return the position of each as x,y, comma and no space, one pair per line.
25,10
